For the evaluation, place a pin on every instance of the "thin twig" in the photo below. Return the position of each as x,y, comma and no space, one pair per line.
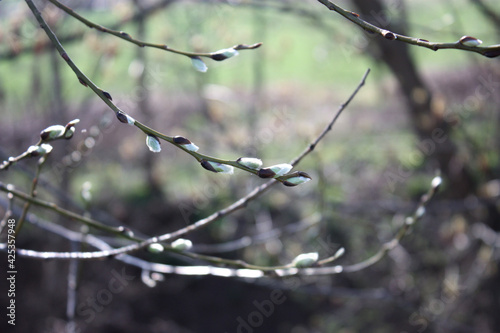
125,36
328,127
487,51
13,160
8,212
403,231
119,231
34,184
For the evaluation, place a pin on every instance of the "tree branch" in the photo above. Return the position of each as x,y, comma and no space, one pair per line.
125,36
465,43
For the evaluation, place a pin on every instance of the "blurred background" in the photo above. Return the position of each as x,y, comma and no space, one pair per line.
420,111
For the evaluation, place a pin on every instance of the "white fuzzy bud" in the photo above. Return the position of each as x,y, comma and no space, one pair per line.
217,167
198,64
191,147
436,182
223,168
182,244
301,178
340,252
42,149
281,169
69,133
155,248
250,162
53,132
153,143
305,260
86,194
470,41
187,144
224,54
130,120
420,212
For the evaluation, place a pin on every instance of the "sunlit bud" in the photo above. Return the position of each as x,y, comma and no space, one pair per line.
470,41
182,244
52,132
492,53
281,169
388,35
224,54
207,165
86,194
305,260
217,167
125,118
198,64
82,81
180,140
155,248
69,133
126,231
301,178
33,150
274,171
250,162
340,252
153,143
223,168
409,220
42,149
247,47
70,128
72,123
420,212
266,173
436,182
124,34
107,95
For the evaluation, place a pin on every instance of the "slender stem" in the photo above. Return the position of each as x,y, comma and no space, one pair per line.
120,231
328,127
8,212
125,36
34,184
12,160
487,51
403,231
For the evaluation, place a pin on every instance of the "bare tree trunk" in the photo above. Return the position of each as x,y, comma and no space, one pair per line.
433,131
